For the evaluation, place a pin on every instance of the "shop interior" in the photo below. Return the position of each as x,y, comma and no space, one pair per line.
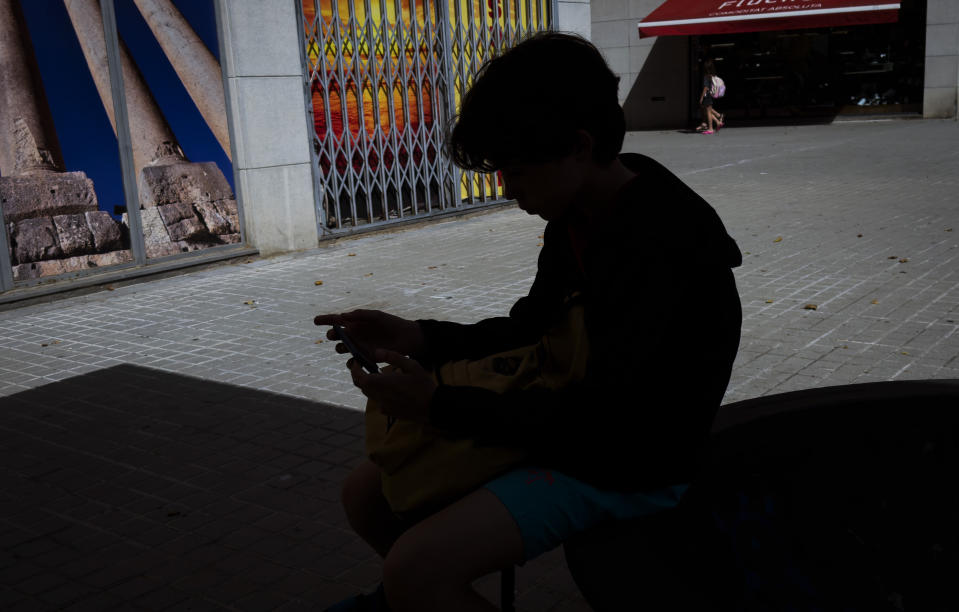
817,74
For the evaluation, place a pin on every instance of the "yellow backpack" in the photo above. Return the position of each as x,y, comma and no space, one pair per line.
422,469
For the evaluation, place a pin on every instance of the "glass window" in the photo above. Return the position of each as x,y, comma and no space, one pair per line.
60,181
178,125
823,72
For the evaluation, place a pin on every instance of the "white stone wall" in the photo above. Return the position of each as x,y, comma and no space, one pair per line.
942,59
654,72
271,134
573,16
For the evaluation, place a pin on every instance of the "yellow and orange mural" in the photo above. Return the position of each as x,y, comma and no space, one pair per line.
385,77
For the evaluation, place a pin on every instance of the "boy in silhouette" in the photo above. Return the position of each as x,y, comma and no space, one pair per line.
652,263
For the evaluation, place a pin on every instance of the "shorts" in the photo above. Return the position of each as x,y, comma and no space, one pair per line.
549,506
707,100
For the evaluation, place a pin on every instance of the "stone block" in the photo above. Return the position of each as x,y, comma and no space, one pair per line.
942,11
638,54
34,240
182,221
214,220
574,17
264,39
185,246
37,269
107,235
279,208
110,258
182,182
53,267
608,10
74,234
228,209
609,34
154,230
270,122
939,102
640,9
941,39
617,58
46,194
161,249
941,71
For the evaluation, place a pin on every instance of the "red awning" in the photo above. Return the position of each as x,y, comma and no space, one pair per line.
686,17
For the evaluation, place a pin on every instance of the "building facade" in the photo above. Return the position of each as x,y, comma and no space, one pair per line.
911,66
186,131
138,136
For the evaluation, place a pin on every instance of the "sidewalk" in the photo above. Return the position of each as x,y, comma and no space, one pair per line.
178,443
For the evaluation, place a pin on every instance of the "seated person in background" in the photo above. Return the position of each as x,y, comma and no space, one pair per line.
650,263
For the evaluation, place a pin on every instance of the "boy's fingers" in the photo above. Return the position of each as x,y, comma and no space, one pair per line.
328,319
356,371
397,360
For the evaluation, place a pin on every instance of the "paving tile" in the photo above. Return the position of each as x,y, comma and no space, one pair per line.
106,462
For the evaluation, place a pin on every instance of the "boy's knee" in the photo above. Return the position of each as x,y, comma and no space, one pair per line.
359,488
406,582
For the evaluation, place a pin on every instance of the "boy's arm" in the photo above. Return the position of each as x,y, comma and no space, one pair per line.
645,407
448,341
662,342
625,325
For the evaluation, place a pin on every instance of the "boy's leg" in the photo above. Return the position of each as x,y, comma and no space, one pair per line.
367,511
433,565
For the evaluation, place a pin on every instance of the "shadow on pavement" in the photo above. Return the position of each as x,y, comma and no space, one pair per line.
831,498
134,488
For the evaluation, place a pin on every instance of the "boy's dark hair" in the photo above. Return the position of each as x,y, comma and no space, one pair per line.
526,105
709,68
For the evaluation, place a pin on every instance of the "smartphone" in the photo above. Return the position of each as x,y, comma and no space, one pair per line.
361,358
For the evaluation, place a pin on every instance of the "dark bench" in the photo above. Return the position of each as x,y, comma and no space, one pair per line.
839,498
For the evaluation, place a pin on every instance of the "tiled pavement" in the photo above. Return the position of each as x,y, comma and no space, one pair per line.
167,444
128,488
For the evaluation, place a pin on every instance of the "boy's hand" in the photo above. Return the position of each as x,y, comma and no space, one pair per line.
374,329
403,391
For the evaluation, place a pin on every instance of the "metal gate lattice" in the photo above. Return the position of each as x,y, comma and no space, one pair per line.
385,77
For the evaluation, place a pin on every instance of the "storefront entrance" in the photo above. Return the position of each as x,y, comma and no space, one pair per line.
816,74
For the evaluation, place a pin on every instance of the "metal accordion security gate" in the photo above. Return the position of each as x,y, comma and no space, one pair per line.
385,77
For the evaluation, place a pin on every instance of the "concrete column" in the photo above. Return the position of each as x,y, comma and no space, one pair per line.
153,140
193,62
941,86
28,139
271,134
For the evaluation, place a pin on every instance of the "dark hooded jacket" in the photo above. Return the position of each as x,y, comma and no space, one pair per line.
663,318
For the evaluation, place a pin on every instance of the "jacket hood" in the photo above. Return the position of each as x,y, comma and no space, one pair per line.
658,200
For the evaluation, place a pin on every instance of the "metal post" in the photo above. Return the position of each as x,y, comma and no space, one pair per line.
449,115
6,270
137,244
318,189
220,11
